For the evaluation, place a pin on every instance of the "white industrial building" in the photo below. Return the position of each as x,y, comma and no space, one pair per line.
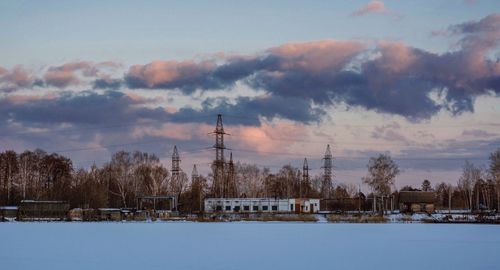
254,205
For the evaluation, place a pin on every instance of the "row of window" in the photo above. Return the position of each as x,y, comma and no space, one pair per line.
237,202
247,208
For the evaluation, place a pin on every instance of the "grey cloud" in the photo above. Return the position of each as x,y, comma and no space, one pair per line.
247,111
394,79
106,83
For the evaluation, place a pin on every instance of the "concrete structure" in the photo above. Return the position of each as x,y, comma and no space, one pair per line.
267,205
303,205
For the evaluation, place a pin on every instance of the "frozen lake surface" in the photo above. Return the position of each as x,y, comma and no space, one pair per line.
248,245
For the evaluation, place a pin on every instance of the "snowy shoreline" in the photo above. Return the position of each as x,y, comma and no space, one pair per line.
437,218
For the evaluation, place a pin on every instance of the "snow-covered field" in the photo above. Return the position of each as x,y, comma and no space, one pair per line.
248,245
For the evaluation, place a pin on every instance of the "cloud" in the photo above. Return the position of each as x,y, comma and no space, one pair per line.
371,7
299,80
77,108
107,83
390,132
478,133
386,77
478,36
16,78
248,111
114,107
69,74
187,75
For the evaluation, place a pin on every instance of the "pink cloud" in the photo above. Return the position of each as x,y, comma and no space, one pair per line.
165,72
15,78
371,7
68,74
20,99
318,55
396,56
266,138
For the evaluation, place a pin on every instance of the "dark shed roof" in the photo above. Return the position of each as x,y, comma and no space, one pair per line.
417,196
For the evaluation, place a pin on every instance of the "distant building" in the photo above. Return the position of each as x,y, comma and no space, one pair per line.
256,205
43,210
417,201
109,214
8,213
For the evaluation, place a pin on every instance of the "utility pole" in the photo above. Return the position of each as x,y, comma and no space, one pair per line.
359,198
232,191
195,181
326,185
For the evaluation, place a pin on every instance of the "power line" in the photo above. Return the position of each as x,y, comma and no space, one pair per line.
189,120
347,158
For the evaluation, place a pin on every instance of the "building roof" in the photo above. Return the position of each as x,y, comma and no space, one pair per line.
8,207
417,197
41,202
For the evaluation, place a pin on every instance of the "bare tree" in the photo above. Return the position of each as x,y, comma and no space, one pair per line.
494,170
8,170
121,166
470,175
159,180
426,185
382,172
250,180
179,184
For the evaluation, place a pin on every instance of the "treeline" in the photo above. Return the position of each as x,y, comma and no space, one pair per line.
478,188
38,175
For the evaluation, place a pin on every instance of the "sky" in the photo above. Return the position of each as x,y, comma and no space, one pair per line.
419,80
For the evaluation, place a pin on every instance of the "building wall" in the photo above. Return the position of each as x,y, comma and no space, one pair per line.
255,205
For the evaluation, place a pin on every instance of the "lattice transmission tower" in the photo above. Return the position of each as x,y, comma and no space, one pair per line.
304,185
326,185
218,164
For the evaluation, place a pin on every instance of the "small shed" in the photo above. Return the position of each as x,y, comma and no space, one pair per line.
8,213
110,214
43,210
162,203
417,201
90,214
76,214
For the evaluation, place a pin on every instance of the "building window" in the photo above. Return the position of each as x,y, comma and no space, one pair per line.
274,208
246,208
228,208
291,206
255,208
236,209
218,208
264,208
